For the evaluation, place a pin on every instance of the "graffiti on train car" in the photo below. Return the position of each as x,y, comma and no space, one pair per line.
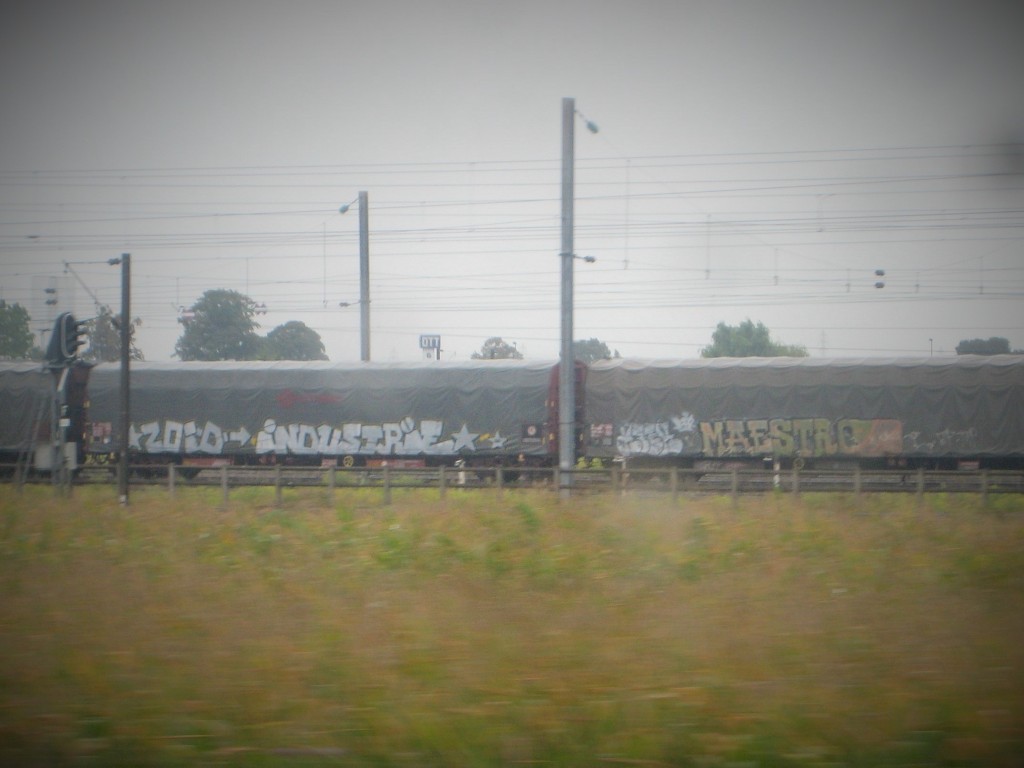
684,435
676,436
802,437
400,438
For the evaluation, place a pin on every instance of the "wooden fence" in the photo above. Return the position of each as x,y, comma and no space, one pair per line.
674,481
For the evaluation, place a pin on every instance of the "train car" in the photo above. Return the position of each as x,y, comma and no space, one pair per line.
33,398
25,417
963,412
199,414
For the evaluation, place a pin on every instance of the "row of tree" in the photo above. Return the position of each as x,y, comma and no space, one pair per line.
104,332
994,345
222,325
587,351
744,340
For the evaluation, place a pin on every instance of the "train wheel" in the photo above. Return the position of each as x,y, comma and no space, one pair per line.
348,461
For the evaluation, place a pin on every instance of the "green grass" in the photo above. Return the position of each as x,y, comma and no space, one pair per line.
490,629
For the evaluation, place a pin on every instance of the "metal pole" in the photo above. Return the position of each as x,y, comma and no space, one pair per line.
224,485
566,371
364,278
56,446
126,328
64,425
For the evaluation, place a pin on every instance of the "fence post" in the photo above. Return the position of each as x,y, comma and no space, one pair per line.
387,484
499,479
984,487
857,481
673,482
442,481
920,484
171,479
615,478
796,481
331,482
734,486
224,483
277,484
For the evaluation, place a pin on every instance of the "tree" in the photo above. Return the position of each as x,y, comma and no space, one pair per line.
748,340
220,326
495,348
995,345
105,338
293,340
15,334
592,349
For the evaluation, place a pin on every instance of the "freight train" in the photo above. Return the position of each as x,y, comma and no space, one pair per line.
965,412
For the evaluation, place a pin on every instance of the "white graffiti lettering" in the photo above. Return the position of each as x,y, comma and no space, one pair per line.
947,441
400,438
212,440
191,437
674,437
174,434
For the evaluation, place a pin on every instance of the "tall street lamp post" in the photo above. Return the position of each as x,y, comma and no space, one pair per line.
567,367
364,275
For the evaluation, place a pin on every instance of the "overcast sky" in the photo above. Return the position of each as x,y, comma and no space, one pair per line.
755,160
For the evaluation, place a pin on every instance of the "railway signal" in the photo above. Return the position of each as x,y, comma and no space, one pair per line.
67,337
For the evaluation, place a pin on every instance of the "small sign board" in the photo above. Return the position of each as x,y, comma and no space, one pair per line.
430,341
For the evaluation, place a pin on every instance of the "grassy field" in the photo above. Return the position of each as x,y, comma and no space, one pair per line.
512,629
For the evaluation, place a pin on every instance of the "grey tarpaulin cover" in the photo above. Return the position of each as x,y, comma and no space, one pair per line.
432,408
954,406
27,395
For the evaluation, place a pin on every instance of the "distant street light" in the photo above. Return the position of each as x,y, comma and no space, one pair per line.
364,275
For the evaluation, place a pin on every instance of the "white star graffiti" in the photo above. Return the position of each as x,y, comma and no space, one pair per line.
464,439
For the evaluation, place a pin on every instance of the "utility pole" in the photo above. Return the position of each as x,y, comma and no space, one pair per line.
567,368
126,340
364,278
